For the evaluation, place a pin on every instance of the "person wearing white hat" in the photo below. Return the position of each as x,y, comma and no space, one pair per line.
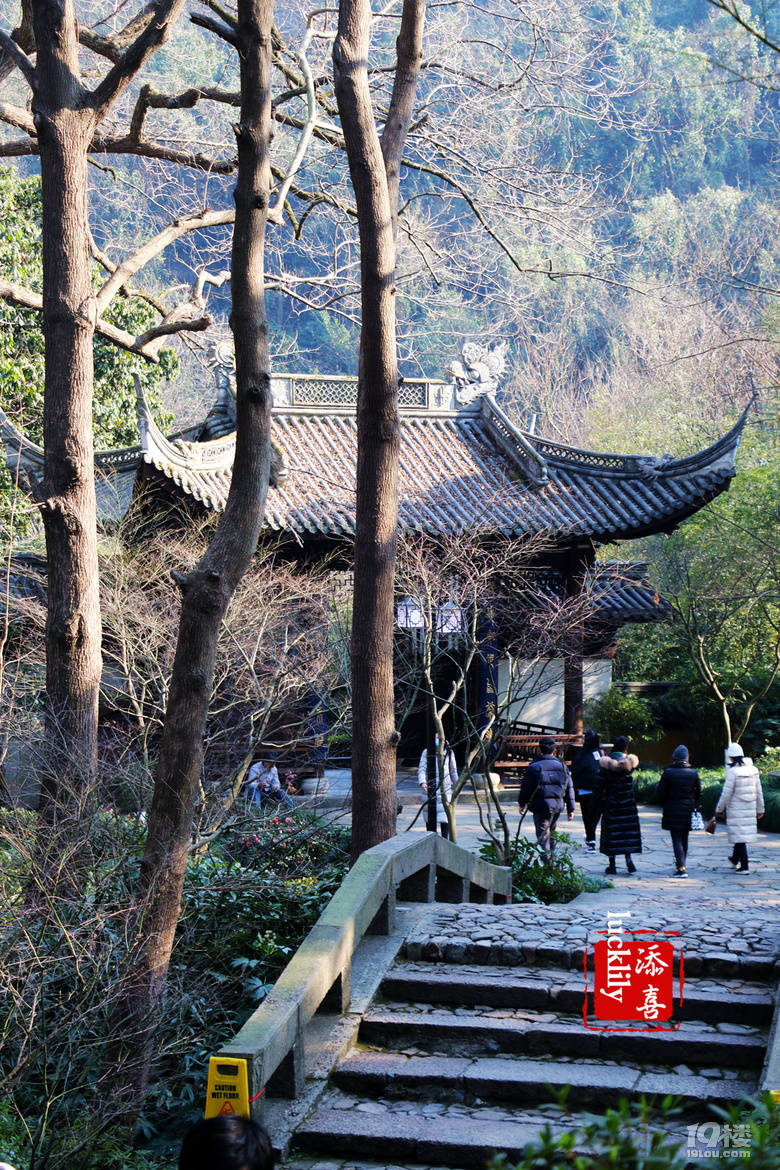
742,800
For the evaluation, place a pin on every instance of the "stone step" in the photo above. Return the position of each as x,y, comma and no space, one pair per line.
456,950
352,1133
530,1082
475,1033
530,987
397,1138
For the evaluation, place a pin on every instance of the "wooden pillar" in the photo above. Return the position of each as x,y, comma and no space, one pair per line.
580,560
573,701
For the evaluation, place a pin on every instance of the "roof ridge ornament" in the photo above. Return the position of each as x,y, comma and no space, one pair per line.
221,359
479,372
648,466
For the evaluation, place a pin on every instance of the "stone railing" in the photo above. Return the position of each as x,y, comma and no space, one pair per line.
426,869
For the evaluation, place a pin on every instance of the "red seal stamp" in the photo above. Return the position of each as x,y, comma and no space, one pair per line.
634,977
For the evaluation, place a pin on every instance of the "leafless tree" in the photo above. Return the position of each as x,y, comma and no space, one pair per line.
474,599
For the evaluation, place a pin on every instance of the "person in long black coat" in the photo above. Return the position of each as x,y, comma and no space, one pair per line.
679,792
620,832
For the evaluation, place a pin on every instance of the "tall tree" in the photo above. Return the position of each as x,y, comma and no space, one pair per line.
65,115
207,589
374,169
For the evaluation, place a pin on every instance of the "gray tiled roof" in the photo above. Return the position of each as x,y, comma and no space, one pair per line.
621,592
468,469
476,471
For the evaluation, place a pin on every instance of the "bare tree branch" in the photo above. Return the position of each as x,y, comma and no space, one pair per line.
744,20
114,46
276,213
216,26
19,58
157,244
16,116
17,294
155,34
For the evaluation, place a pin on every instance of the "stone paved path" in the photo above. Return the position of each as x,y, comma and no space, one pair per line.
471,1050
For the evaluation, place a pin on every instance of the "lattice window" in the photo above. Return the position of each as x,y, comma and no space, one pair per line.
413,394
343,392
325,392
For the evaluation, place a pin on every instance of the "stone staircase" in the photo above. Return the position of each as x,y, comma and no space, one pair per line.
458,1059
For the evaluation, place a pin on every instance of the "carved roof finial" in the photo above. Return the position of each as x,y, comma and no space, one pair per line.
479,372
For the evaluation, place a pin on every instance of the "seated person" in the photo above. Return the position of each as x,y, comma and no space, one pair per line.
263,786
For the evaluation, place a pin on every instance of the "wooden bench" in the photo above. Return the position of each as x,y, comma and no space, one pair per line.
516,750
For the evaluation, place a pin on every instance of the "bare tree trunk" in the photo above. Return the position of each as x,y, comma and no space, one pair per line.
374,738
67,495
207,589
65,115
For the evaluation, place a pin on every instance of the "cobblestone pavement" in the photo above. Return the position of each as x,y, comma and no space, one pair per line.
717,911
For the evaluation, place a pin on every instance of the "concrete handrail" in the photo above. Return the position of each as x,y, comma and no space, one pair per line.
420,870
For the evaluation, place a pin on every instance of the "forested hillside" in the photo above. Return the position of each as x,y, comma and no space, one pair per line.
633,144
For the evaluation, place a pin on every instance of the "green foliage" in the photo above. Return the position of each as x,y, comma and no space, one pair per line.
769,761
646,792
630,1136
534,879
763,1117
14,1146
241,923
618,713
641,1136
720,571
288,844
22,344
62,966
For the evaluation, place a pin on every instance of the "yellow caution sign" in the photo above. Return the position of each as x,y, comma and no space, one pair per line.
775,1095
228,1090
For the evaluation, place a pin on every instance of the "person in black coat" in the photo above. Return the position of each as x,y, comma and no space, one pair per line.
679,791
620,832
585,774
546,788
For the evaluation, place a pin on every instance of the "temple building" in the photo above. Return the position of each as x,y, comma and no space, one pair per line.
465,466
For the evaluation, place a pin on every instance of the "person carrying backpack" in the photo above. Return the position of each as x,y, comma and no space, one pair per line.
546,788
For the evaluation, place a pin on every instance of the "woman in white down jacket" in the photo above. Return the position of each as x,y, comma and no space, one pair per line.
447,782
743,802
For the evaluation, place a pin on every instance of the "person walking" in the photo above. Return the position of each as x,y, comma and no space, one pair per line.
679,793
444,788
585,774
742,800
545,789
620,832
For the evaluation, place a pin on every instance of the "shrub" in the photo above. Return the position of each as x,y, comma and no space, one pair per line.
14,1146
62,964
769,761
285,843
618,713
646,792
241,923
534,879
